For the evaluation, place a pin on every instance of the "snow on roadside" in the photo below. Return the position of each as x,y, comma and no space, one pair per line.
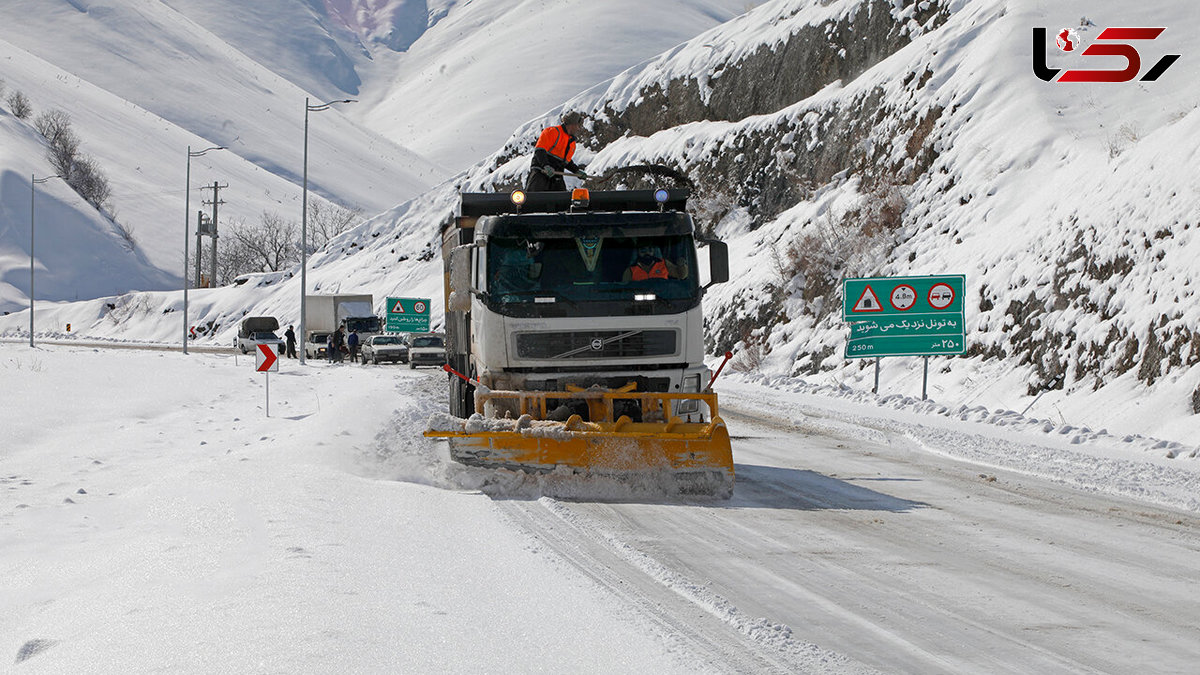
149,494
1155,471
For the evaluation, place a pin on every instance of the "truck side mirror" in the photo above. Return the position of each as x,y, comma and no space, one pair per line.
460,279
718,262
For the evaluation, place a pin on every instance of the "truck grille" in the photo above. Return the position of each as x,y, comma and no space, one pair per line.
608,344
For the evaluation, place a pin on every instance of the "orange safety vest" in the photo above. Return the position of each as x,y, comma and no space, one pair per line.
557,142
657,271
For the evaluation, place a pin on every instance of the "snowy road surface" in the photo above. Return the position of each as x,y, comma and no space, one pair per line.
909,562
153,517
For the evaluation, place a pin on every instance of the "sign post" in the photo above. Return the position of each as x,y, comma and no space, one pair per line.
904,316
408,315
266,361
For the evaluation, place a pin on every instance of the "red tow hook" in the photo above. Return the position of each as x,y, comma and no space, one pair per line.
728,355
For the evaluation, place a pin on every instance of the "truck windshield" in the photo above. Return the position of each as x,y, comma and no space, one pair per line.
364,324
592,275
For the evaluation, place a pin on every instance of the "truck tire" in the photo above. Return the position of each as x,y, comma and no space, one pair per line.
462,396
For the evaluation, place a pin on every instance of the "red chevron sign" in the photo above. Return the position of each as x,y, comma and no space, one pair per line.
266,360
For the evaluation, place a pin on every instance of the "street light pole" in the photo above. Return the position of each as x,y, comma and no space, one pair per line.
304,225
34,181
187,208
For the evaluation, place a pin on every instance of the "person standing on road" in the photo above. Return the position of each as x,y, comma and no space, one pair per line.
352,343
552,156
290,335
339,344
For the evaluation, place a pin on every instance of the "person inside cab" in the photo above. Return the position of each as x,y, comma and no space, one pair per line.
650,264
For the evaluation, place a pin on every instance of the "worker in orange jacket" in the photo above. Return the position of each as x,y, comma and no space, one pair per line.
650,264
552,156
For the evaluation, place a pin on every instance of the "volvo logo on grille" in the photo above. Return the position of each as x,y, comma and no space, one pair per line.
597,344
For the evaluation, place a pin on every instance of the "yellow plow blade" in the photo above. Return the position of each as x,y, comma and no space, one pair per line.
696,454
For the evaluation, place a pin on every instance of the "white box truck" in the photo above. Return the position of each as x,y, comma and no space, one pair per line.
324,313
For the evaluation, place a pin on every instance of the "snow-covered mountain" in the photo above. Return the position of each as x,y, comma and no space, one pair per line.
438,84
141,84
873,138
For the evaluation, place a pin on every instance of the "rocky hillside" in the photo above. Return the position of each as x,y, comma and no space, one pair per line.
874,138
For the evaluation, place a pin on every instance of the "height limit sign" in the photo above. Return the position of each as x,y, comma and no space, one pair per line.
408,315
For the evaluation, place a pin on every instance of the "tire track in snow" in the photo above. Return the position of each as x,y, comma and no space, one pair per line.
700,622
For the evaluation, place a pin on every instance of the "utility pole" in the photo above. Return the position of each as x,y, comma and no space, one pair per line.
216,201
201,230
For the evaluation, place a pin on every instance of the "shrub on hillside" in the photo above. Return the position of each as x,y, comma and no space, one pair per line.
87,179
19,104
81,172
53,123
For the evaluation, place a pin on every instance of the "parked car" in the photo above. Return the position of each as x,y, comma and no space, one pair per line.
385,348
426,350
315,347
250,342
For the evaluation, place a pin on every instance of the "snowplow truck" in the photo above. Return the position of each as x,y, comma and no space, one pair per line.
574,337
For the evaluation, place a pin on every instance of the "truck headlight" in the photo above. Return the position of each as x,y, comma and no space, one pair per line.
691,384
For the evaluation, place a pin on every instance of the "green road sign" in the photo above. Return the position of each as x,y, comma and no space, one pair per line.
877,297
904,316
408,315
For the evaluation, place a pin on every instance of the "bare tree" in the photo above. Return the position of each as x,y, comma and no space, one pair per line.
270,245
53,123
19,104
327,220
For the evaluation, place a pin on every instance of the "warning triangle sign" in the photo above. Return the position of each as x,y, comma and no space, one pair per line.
398,308
867,302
